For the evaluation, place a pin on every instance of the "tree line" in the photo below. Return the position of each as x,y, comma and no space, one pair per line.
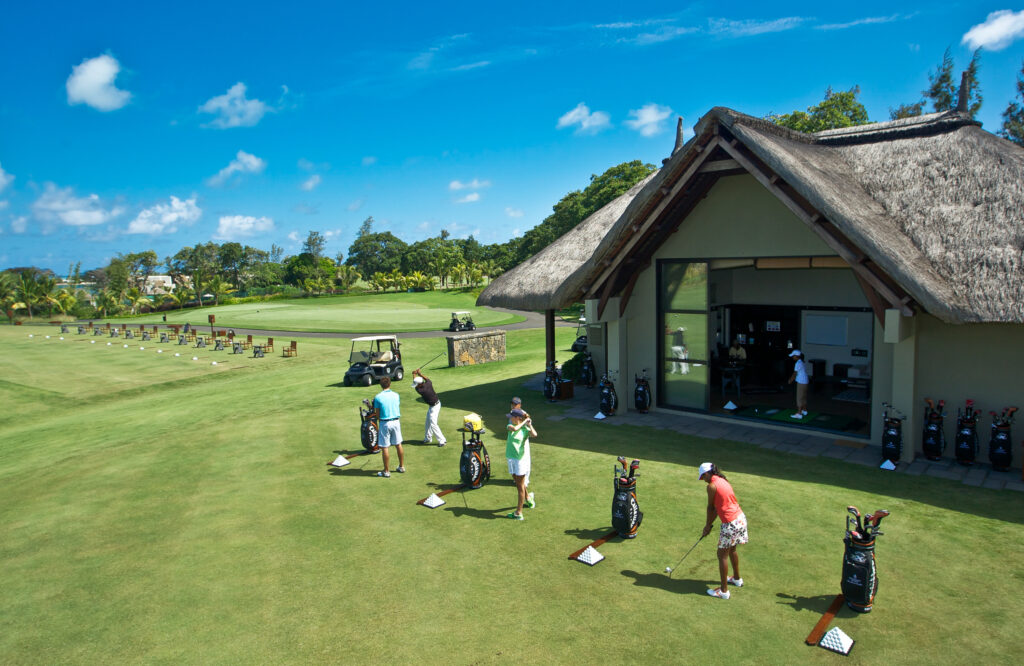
376,260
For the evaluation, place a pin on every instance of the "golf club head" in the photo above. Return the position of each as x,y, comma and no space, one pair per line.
622,461
633,467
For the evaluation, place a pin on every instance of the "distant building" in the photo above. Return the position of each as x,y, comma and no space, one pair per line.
158,284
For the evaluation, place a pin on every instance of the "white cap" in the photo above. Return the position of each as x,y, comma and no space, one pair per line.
795,352
704,469
416,381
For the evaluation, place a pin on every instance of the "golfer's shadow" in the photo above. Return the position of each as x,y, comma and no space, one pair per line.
589,535
661,581
488,514
817,604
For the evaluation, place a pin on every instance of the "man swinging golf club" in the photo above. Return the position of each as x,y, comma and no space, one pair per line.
387,405
722,502
425,388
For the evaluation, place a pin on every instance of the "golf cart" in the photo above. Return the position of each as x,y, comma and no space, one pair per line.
373,357
581,336
461,321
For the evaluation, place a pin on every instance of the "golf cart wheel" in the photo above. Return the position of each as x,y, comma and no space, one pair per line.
399,373
366,380
348,381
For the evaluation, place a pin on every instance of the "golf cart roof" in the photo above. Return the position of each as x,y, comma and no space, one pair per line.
461,312
372,338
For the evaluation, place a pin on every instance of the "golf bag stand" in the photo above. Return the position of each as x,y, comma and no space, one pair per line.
642,393
892,434
474,463
626,513
551,382
609,399
369,426
967,435
933,439
1000,446
860,579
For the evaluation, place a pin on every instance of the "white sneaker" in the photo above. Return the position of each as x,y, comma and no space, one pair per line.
715,592
798,415
737,582
530,503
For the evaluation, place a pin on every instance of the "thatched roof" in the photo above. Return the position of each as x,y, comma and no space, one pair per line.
935,202
556,275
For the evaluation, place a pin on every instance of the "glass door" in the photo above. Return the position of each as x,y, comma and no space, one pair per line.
683,332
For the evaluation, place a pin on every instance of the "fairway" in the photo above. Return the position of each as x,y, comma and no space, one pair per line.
159,509
363,313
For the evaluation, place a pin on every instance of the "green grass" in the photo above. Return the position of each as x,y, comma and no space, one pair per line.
364,313
160,509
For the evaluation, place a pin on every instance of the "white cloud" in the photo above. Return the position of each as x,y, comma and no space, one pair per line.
871,20
4,203
165,218
665,34
425,60
749,27
306,209
469,198
234,109
19,224
999,30
356,205
474,184
310,184
624,25
423,226
516,233
649,119
5,179
589,123
61,205
332,233
243,163
294,237
514,212
472,65
237,227
306,165
369,160
92,83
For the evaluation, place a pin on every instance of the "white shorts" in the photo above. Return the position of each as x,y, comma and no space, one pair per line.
390,433
520,466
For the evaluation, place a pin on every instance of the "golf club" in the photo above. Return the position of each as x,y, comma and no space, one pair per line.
622,461
433,359
673,569
633,466
853,511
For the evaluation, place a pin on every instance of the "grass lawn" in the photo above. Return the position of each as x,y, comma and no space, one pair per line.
363,313
159,509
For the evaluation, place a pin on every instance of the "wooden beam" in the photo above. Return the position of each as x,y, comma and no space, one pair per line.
622,252
549,335
877,306
808,217
606,293
720,165
627,291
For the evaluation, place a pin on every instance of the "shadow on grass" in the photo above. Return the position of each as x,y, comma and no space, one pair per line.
589,535
660,581
817,604
679,448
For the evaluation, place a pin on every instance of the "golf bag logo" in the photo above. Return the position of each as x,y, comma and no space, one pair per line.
892,433
1000,452
642,393
369,427
860,580
966,448
626,513
609,399
474,464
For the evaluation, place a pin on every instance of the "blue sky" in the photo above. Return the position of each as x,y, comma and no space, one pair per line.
127,126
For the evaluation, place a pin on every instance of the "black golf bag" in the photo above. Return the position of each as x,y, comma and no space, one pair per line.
642,393
369,426
1000,447
551,380
475,463
588,373
860,580
609,399
892,433
626,513
933,439
967,435
64,328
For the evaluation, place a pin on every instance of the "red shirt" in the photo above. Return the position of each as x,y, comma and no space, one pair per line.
726,506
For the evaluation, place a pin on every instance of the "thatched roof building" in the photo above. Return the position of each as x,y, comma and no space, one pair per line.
927,212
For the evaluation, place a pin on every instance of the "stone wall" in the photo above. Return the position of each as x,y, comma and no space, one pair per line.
474,348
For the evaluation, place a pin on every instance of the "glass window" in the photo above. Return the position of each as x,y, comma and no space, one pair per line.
683,332
687,333
684,286
685,385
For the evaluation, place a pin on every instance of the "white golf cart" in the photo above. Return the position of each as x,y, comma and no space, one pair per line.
461,321
373,357
581,336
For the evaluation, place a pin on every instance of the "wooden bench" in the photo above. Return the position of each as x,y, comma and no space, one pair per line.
248,342
293,350
269,347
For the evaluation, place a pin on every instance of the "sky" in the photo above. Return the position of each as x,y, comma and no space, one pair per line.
130,126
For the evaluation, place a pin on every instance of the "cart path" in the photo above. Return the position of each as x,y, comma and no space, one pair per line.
533,320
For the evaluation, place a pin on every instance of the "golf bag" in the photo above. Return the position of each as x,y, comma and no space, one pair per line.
64,328
892,433
642,393
860,579
626,513
369,426
1000,452
588,373
933,440
475,463
967,434
609,399
551,379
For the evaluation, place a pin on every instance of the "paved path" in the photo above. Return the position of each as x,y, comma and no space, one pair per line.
809,444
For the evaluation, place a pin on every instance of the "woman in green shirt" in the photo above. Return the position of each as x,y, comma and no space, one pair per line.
517,452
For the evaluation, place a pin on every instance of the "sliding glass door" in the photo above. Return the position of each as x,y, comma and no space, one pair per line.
683,332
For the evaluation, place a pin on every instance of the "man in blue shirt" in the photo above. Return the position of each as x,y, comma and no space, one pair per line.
386,404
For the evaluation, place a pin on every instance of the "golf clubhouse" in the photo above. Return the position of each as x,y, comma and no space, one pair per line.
890,254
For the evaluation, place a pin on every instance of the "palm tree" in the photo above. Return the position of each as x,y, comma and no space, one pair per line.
8,295
180,296
65,301
379,281
219,287
136,299
108,302
347,276
27,290
46,291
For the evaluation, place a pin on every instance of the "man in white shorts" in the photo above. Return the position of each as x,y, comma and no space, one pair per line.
387,405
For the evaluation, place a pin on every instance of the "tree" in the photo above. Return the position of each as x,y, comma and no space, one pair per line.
117,278
180,296
974,98
232,259
346,276
940,85
906,110
376,252
218,287
140,266
107,302
1013,117
838,109
943,92
8,295
27,290
314,245
65,301
366,228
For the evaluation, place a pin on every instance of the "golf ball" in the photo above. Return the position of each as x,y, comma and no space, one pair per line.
126,346
213,362
177,354
195,358
668,569
92,342
31,336
159,351
108,344
62,337
47,337
142,348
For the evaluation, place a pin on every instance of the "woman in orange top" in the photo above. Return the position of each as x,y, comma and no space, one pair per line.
722,502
